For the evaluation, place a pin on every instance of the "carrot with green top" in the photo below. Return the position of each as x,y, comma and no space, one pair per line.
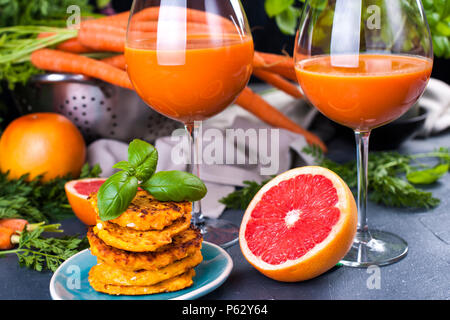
8,238
71,45
18,225
59,61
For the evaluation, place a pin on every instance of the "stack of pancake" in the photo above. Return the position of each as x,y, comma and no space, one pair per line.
151,248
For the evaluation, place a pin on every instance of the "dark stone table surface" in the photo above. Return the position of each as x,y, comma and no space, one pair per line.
423,274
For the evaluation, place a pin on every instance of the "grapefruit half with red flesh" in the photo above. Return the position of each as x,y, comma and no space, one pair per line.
299,225
77,192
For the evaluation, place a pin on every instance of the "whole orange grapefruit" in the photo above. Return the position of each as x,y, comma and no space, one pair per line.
42,143
299,225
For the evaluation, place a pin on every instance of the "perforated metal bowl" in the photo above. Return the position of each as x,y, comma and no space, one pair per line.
98,109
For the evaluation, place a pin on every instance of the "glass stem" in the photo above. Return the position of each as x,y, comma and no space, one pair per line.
362,158
194,167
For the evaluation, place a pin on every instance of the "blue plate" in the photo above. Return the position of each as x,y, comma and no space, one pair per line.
70,281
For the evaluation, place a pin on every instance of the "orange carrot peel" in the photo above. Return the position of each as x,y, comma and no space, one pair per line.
256,105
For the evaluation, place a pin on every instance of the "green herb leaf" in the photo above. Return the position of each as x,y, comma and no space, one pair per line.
287,20
386,183
144,158
124,165
240,199
115,195
103,3
88,172
276,7
428,176
175,186
36,201
39,253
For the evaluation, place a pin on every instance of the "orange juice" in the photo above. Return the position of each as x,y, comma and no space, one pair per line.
193,83
375,90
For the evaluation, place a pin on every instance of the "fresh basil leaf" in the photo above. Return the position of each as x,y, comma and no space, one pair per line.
287,20
428,176
275,7
116,194
123,165
144,157
175,186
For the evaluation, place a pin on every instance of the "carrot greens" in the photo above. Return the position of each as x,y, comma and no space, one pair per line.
40,253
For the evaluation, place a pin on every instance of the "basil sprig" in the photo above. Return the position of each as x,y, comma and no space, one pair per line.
174,186
116,194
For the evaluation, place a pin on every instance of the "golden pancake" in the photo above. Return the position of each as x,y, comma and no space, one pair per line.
110,275
139,241
174,284
184,244
146,213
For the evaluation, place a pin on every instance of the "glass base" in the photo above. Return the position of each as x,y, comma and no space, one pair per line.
220,232
375,247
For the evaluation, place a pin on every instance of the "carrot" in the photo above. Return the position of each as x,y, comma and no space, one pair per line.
59,61
5,238
278,82
192,15
256,105
119,17
152,14
102,37
14,224
71,45
282,65
116,61
191,27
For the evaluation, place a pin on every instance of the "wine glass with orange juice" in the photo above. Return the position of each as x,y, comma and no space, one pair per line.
364,63
189,60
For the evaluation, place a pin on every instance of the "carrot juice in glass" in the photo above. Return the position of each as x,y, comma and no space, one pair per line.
363,64
379,89
195,83
189,60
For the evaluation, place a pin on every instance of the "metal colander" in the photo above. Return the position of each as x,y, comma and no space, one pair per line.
98,109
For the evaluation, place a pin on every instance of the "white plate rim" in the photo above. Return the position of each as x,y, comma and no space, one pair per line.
187,296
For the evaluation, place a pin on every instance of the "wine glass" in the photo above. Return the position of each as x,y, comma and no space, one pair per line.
189,60
363,64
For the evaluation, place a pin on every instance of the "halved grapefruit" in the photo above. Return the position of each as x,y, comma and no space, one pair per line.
299,225
77,192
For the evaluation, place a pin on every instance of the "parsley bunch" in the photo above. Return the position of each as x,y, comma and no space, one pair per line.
40,253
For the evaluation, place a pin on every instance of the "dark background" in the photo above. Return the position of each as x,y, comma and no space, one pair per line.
268,38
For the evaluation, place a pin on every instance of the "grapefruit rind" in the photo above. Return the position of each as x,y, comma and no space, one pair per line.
324,255
79,202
